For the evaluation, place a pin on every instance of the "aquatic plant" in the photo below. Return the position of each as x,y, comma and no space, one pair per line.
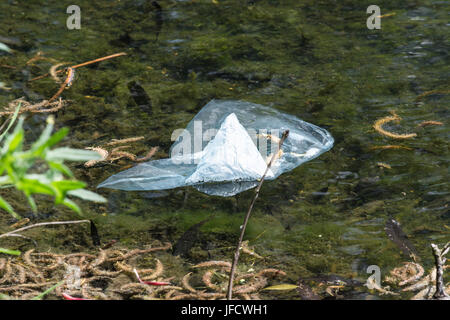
39,107
70,73
113,273
410,278
16,165
378,126
117,152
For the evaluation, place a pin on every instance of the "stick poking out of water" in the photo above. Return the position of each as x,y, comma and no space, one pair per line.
247,216
439,258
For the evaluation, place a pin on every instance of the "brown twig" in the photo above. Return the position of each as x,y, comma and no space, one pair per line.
7,66
7,234
34,108
114,142
390,146
99,59
247,216
439,258
84,64
427,93
430,123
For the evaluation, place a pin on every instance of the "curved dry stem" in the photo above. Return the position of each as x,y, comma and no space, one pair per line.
378,126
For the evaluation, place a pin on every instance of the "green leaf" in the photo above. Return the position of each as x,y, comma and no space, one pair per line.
30,186
13,119
32,203
11,252
67,185
43,138
5,180
43,294
14,139
285,286
5,205
72,205
87,195
72,154
57,137
4,297
60,167
46,141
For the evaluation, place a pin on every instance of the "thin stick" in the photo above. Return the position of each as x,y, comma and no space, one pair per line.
69,78
439,259
99,59
247,216
83,64
42,76
43,224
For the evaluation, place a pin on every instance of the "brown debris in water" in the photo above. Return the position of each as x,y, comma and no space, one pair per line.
378,126
114,142
117,153
54,73
427,93
430,123
40,270
390,146
108,275
412,274
39,56
408,273
384,165
40,107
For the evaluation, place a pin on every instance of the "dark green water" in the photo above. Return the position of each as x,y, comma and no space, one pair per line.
313,59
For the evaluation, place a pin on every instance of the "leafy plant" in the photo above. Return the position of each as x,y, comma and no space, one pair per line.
16,164
9,251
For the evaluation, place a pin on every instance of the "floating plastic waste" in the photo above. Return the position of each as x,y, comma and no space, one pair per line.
224,150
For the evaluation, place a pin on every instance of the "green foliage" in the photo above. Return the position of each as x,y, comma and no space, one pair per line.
11,122
9,251
16,164
282,287
43,294
4,297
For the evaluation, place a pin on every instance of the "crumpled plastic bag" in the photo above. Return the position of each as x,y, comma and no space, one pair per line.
225,148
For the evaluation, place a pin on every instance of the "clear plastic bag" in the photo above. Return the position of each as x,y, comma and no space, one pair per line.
225,149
